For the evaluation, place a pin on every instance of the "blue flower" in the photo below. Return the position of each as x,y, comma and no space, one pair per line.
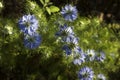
32,41
79,56
80,60
64,30
61,30
28,24
77,50
100,56
71,39
101,77
86,73
67,49
69,13
90,55
69,31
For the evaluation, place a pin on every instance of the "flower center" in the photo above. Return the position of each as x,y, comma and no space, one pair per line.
99,55
85,75
27,24
64,33
31,39
69,12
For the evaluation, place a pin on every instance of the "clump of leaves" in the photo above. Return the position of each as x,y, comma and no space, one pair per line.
49,7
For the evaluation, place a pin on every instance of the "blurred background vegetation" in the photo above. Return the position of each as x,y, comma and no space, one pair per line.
48,62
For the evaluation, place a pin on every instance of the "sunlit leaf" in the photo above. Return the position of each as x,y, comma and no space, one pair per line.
54,9
42,2
48,10
46,1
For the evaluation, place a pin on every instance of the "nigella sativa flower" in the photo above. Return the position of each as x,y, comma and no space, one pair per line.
77,50
67,49
32,41
71,39
79,60
69,12
61,31
79,56
69,31
101,77
64,30
28,24
86,73
90,55
100,56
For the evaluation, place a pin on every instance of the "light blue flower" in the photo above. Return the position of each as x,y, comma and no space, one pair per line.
69,31
28,24
64,30
100,56
79,60
71,39
61,31
77,50
79,56
67,49
32,41
69,13
86,73
101,77
90,55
